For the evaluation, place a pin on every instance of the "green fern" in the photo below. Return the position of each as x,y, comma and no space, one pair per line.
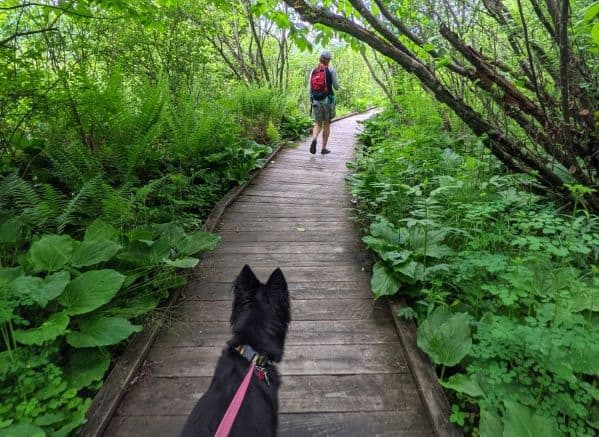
116,207
17,194
74,164
37,206
136,130
84,204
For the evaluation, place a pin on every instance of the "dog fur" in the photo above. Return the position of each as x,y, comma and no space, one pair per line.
260,318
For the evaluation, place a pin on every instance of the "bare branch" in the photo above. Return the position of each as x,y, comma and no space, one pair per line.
16,35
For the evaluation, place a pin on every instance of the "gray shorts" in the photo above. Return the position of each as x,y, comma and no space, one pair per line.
323,112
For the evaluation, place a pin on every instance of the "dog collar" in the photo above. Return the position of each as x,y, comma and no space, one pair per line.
250,354
257,361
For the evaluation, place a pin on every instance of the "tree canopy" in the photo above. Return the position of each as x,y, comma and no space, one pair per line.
523,74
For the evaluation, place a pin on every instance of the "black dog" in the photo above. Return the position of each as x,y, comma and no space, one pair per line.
260,319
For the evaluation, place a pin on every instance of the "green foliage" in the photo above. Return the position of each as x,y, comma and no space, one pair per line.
83,305
86,366
35,396
41,291
55,326
445,337
51,252
121,125
503,285
91,290
102,331
295,126
384,282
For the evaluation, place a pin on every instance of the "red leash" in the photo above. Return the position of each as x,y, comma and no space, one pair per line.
229,418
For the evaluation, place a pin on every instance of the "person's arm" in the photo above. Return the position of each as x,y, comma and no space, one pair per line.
334,78
309,86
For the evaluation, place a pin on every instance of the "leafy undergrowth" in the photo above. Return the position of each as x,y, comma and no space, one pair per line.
94,232
504,287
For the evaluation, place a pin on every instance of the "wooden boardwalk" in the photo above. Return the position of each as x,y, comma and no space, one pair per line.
344,372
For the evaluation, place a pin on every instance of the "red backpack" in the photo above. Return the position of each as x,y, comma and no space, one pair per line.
318,83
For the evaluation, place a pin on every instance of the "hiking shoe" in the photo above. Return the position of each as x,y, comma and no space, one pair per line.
313,147
325,151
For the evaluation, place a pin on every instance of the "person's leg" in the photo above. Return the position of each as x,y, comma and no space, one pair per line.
326,128
317,113
316,130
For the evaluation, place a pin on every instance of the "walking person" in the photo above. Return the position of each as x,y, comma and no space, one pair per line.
323,82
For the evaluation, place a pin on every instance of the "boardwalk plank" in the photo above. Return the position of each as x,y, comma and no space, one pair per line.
270,260
181,333
298,394
213,272
293,235
286,224
298,360
299,290
197,310
306,248
312,193
388,424
297,200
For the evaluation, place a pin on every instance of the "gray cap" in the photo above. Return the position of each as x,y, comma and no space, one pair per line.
325,55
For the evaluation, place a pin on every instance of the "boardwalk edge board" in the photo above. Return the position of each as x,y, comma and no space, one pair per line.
123,374
431,393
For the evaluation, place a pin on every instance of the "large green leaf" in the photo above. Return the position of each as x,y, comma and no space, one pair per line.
197,242
595,33
86,366
410,271
51,252
378,245
172,232
22,430
91,290
521,421
384,230
182,263
92,252
585,298
9,274
133,306
101,331
445,337
591,12
55,326
490,424
426,242
464,384
49,419
100,230
41,290
383,282
10,230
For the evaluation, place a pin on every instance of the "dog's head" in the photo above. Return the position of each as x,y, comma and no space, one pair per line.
261,312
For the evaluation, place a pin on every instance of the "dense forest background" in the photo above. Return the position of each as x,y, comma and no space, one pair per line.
122,123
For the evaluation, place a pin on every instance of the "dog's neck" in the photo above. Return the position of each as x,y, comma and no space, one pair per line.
250,354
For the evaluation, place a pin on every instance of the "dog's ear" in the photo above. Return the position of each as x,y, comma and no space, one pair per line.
244,290
276,281
278,292
246,281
